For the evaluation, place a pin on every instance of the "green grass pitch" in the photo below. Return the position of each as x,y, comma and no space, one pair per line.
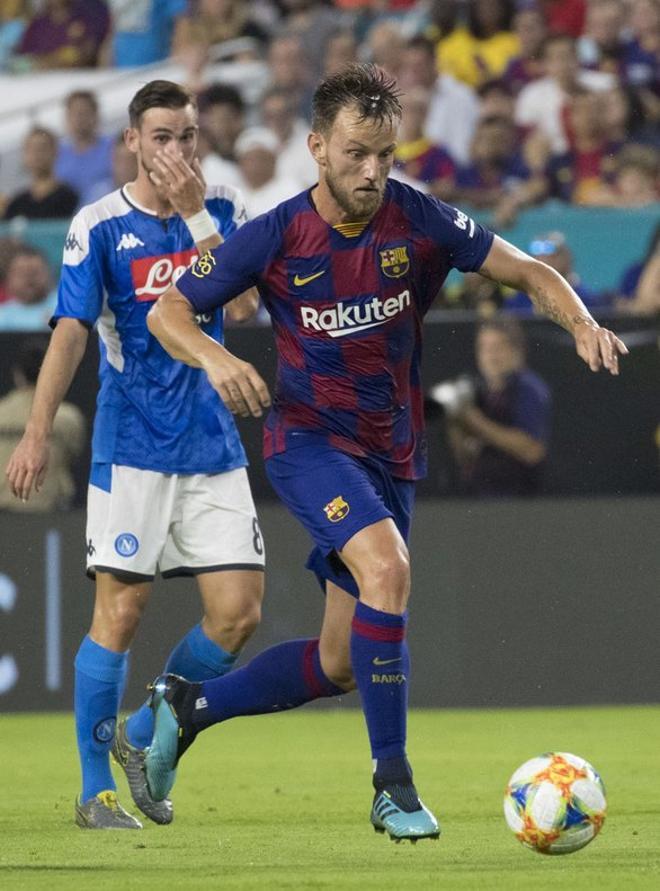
283,802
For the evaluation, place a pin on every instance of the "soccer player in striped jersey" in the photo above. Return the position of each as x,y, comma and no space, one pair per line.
168,488
347,271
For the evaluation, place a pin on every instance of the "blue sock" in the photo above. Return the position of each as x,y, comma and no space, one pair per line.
196,658
282,677
381,666
100,677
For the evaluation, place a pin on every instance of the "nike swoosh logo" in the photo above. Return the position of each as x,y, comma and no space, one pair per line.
299,281
378,661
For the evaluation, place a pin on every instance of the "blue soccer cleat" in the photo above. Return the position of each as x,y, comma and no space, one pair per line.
172,701
389,814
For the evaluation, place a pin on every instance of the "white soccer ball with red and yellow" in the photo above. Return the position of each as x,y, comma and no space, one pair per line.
555,803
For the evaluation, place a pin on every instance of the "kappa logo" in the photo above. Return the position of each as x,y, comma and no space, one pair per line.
129,241
336,509
71,242
395,262
348,318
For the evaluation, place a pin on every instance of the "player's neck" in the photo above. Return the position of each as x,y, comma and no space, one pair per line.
328,209
143,192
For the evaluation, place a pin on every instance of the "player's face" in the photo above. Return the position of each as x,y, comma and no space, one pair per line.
170,129
355,159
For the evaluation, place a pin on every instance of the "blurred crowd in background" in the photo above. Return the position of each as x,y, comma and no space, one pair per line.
506,104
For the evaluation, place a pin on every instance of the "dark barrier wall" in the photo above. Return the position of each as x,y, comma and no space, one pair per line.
604,428
520,603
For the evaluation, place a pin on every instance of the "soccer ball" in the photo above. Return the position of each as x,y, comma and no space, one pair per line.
555,803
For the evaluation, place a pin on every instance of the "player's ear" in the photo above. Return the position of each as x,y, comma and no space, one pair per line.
131,139
317,146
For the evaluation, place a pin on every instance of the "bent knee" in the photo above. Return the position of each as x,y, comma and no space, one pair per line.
233,629
338,672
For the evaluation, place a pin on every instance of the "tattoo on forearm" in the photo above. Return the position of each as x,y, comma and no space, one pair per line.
547,305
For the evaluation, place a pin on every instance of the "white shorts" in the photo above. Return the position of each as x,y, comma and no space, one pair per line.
178,524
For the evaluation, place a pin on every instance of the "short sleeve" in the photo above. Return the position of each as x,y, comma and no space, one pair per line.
231,268
80,292
466,242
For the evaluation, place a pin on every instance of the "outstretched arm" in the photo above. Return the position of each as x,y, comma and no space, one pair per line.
553,296
28,463
172,321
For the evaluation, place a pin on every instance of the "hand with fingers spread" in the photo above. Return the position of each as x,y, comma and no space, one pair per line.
598,347
27,467
237,383
181,183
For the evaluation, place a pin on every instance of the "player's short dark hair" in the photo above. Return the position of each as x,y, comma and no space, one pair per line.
507,327
221,94
158,94
29,357
364,86
86,95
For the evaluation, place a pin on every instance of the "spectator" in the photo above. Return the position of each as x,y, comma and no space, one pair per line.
585,173
415,154
640,287
497,177
531,30
641,58
498,426
636,178
385,46
482,50
13,20
142,32
542,103
551,248
496,99
453,108
262,187
278,113
124,170
313,23
46,197
31,296
624,117
340,50
57,489
565,16
290,70
64,34
210,22
630,279
601,46
221,117
85,157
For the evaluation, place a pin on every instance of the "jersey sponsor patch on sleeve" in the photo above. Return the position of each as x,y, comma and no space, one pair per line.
204,265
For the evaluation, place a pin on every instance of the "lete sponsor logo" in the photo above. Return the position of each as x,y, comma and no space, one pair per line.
348,318
152,276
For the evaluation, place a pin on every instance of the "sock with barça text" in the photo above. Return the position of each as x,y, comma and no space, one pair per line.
381,667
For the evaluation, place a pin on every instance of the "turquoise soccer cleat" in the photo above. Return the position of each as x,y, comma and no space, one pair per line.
388,816
170,702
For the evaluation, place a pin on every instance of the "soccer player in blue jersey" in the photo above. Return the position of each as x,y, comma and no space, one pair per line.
347,271
168,488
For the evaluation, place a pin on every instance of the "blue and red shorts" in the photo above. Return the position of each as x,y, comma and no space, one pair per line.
335,495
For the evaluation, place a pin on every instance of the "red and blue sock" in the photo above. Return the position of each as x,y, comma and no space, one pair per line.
282,677
381,667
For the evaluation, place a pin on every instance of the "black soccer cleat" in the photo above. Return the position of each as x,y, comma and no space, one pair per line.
172,703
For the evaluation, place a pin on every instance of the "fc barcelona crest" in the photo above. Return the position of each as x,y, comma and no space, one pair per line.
337,509
395,261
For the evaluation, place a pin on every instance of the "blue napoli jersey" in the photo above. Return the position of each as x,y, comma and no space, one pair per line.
153,412
347,305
